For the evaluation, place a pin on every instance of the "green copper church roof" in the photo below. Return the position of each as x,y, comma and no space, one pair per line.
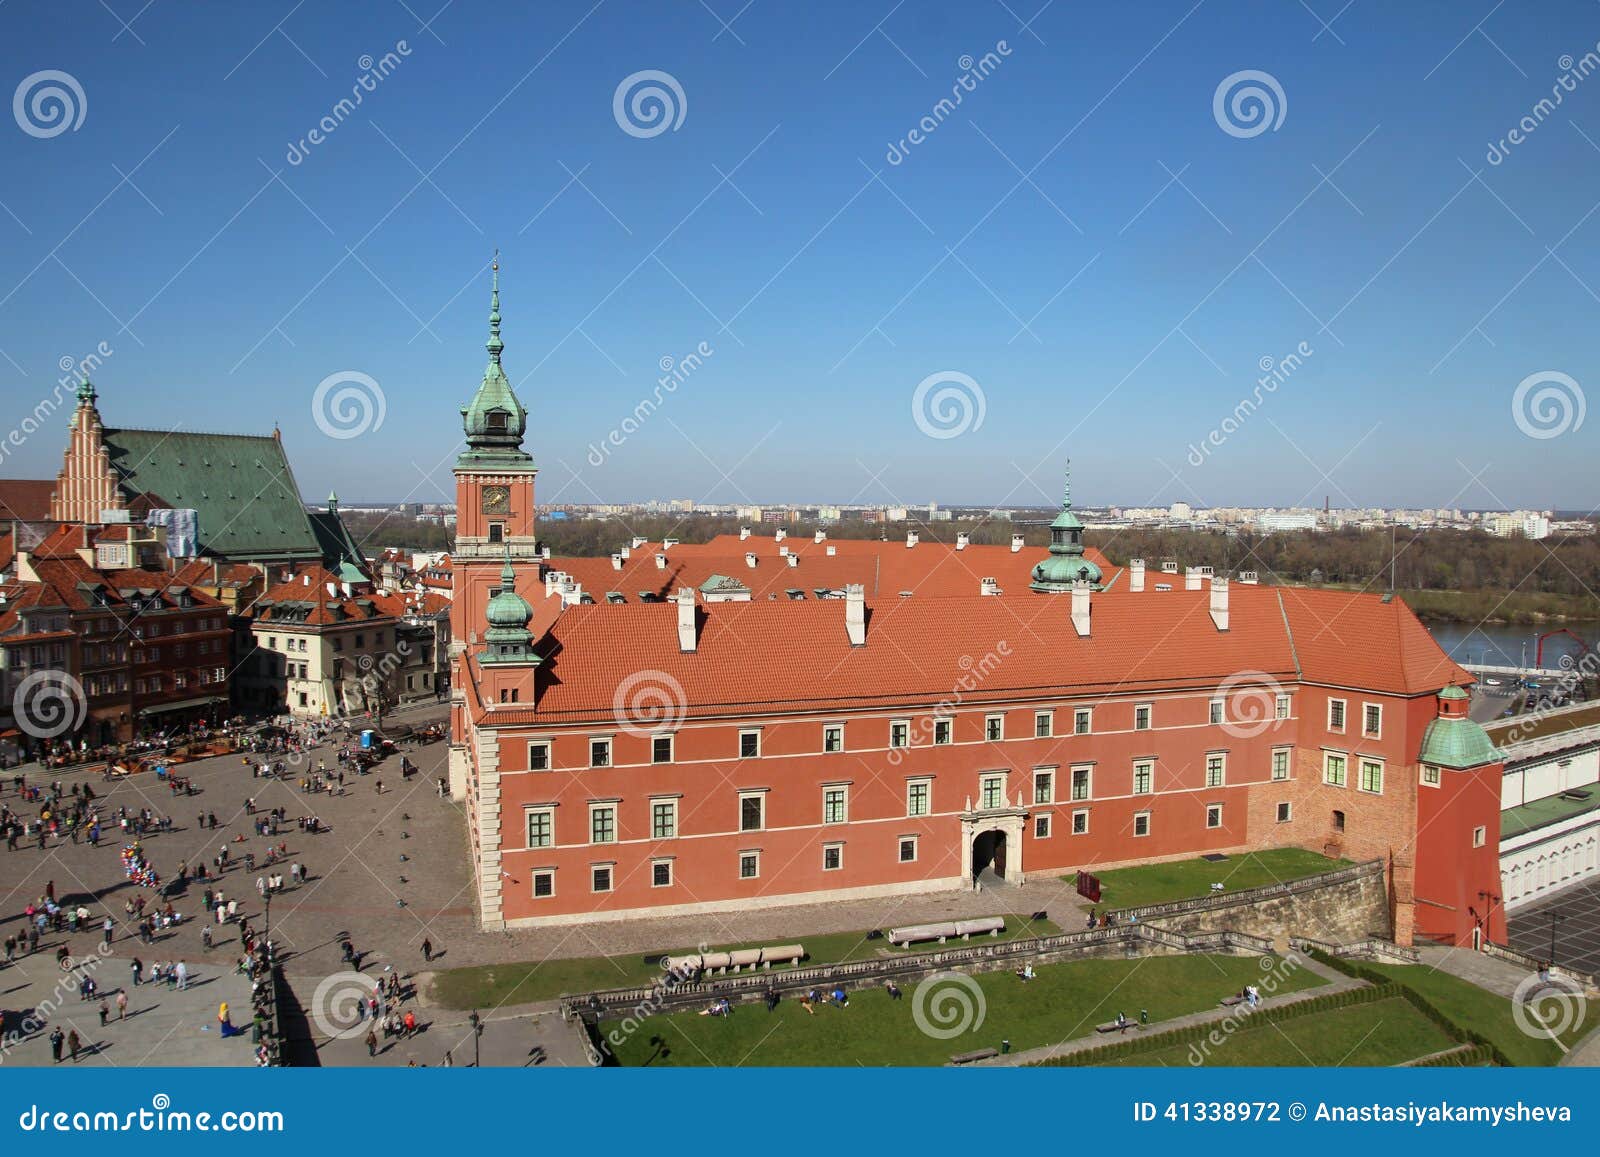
508,639
1457,743
1066,564
494,421
241,485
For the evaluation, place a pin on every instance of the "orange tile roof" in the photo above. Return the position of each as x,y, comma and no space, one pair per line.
26,499
767,656
322,590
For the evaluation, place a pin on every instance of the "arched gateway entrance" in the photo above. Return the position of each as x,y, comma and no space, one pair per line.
989,854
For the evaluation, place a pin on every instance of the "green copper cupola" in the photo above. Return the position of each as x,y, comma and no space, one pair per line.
494,421
508,639
1066,563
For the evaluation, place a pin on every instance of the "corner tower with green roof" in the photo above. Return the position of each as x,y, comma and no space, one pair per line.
1066,563
508,639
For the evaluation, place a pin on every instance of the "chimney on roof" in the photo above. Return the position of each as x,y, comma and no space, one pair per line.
832,550
855,613
794,559
1249,577
668,543
686,619
638,542
744,533
911,539
1169,566
625,551
661,561
750,558
1219,603
783,552
1016,543
1136,574
1191,578
544,553
780,535
1080,608
962,541
988,586
821,536
616,561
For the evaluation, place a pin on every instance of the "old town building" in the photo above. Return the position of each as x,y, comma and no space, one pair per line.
761,721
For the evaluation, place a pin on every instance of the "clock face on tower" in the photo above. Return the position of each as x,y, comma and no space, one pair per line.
496,499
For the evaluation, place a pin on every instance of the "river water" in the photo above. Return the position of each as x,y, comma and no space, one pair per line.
1508,646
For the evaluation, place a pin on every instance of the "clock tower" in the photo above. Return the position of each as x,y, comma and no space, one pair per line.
494,516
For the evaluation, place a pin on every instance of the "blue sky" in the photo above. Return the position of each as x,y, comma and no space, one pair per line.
1080,238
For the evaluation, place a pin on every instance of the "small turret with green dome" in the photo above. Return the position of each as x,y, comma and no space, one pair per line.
508,639
1066,564
494,421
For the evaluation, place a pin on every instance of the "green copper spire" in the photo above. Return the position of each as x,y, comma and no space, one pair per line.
1066,564
495,421
86,394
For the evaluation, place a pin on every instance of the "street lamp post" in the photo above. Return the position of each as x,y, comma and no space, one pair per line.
477,1031
1555,918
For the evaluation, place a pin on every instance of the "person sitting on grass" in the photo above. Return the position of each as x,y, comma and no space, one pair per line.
1025,973
893,989
840,998
723,1007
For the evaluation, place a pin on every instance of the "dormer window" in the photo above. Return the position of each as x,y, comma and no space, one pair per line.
497,421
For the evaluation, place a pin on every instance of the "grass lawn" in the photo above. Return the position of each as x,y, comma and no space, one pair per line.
491,985
1484,1012
1385,1032
1188,879
1065,1001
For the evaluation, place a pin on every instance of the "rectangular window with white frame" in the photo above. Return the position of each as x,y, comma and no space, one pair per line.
1144,771
1141,823
941,731
1336,714
836,804
661,748
1371,777
1080,822
1335,769
1141,717
1285,812
661,873
544,884
1429,775
832,857
752,811
1082,783
1044,785
539,755
542,827
1213,815
1216,769
599,753
749,744
994,727
908,849
1280,763
900,733
1480,836
602,823
1041,827
1372,720
1043,724
749,865
600,878
1082,721
1218,711
919,797
663,819
1281,707
992,790
832,738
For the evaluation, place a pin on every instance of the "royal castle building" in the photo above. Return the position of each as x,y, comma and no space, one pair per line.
765,720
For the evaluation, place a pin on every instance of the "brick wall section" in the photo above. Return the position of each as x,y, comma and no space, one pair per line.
1338,907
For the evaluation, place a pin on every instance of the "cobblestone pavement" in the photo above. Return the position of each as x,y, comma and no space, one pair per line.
1576,921
391,871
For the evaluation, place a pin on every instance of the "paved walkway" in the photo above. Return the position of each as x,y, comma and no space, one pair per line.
1336,982
1490,973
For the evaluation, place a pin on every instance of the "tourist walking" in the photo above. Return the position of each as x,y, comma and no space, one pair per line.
122,1004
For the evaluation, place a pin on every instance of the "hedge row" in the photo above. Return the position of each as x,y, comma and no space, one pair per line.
1450,1028
1468,1056
1123,1049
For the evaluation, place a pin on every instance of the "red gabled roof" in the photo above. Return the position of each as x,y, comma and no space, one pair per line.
322,589
1359,640
26,499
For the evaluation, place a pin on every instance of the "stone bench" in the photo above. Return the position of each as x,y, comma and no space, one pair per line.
974,1055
